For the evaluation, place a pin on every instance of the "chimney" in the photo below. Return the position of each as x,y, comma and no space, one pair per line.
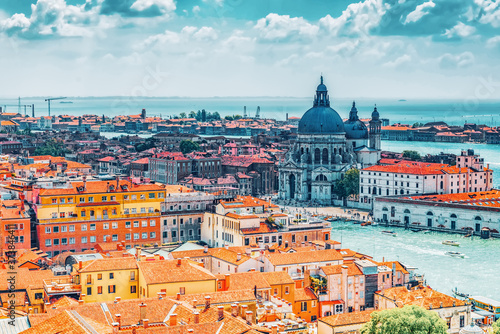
178,296
118,320
115,327
134,329
142,308
226,246
227,281
178,262
194,303
248,317
80,265
160,296
281,327
234,310
220,311
244,309
196,317
145,322
274,329
207,302
84,182
238,257
117,182
173,319
80,301
205,249
118,299
190,330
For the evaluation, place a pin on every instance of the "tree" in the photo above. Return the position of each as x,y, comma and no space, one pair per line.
182,115
53,148
411,155
192,114
348,185
417,125
229,118
188,146
496,327
410,319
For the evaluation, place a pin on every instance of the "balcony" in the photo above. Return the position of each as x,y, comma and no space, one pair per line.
74,218
61,286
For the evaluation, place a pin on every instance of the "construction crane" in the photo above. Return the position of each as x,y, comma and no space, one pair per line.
3,107
53,98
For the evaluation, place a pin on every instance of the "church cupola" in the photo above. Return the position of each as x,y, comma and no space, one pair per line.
375,114
353,114
322,99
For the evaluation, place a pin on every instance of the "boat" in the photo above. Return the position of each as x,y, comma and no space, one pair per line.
426,231
415,229
65,102
460,294
366,224
455,254
394,234
450,243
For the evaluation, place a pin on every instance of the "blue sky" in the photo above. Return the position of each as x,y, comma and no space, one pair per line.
372,48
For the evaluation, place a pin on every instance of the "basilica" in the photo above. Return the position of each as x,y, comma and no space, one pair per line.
326,147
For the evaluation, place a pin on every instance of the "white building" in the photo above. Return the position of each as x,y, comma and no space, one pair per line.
403,177
454,212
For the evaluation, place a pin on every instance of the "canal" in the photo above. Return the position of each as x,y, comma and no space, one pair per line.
477,274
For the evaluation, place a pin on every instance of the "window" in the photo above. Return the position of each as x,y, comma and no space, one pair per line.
104,198
144,235
133,289
125,196
47,229
105,226
92,227
99,277
136,236
64,228
54,201
151,195
82,213
89,279
92,239
181,221
55,229
64,241
287,290
48,242
152,222
144,223
38,295
136,223
84,240
174,222
134,197
114,224
56,242
115,237
462,321
303,306
89,291
91,199
143,196
99,290
71,241
63,200
82,199
152,235
165,234
111,289
143,210
127,224
111,275
182,290
72,228
132,275
127,236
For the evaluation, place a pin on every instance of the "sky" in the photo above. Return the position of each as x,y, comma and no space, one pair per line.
404,49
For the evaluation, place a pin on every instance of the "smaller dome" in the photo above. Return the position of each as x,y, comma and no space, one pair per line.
321,86
471,329
354,128
375,114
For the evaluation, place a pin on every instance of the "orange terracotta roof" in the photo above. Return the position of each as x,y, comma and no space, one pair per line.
93,187
352,269
168,271
278,278
345,319
123,263
424,297
326,255
302,294
248,280
221,297
399,267
263,228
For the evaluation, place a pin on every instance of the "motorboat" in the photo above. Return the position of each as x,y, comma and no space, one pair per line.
450,243
426,231
455,254
394,234
366,224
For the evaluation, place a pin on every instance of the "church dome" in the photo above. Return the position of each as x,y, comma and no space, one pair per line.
321,119
354,128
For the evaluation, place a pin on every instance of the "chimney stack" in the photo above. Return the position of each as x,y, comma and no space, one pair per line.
80,301
178,262
142,308
244,309
207,302
115,327
145,322
196,317
194,303
234,310
118,320
281,327
248,317
173,319
178,296
238,257
227,281
205,249
274,329
80,265
220,312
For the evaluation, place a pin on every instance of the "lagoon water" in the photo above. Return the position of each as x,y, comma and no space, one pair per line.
455,112
477,274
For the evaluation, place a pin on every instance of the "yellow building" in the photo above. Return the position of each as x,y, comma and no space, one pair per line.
85,213
105,279
174,276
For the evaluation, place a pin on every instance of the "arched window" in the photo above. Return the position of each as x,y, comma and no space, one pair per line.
477,218
340,151
325,156
441,184
335,151
321,177
453,215
385,209
401,191
301,150
407,211
429,213
387,192
374,191
317,156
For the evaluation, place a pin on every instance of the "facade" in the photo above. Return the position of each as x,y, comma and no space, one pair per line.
169,168
14,218
343,323
81,214
325,149
403,177
474,211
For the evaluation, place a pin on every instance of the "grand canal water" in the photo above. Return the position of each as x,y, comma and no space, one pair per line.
477,274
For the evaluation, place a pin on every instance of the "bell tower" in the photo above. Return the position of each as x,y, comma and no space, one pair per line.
375,130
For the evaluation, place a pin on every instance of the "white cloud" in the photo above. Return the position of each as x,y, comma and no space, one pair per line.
163,5
205,34
460,30
281,27
419,12
489,12
196,9
358,19
449,61
404,59
493,42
